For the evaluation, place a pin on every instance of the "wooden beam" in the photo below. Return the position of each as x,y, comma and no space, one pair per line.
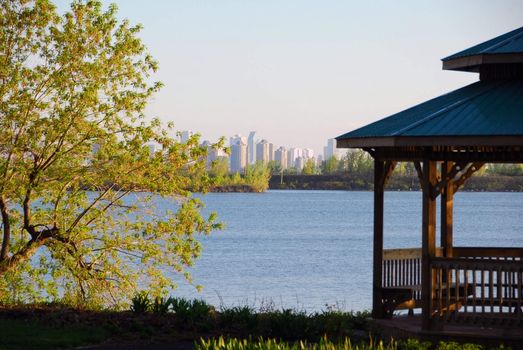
428,246
419,171
377,282
447,202
483,154
471,169
387,171
447,175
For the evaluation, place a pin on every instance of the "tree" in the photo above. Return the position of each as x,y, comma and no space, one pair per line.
309,168
358,162
257,176
220,168
274,167
72,132
330,165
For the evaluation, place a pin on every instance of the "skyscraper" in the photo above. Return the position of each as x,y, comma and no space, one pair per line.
293,154
330,149
299,163
290,158
271,152
238,155
250,149
308,153
280,156
262,152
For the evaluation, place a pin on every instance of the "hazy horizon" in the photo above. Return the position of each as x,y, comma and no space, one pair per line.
299,72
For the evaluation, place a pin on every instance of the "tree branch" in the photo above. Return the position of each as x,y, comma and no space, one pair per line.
6,228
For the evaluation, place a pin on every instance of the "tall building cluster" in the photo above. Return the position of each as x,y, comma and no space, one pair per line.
250,149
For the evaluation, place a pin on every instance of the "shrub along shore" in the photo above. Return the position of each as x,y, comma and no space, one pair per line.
194,324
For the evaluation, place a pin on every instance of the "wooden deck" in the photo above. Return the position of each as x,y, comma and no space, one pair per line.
404,326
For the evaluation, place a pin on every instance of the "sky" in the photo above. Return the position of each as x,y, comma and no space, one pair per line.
298,71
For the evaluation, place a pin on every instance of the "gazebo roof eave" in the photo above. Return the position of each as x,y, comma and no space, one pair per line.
430,141
471,63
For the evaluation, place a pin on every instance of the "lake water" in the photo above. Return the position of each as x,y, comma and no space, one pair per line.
309,249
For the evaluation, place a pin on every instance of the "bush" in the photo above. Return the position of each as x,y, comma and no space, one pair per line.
161,305
140,303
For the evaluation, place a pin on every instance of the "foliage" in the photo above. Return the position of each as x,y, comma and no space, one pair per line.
243,318
330,166
73,138
140,303
309,168
192,311
291,324
219,168
357,162
161,305
324,343
504,169
274,167
256,177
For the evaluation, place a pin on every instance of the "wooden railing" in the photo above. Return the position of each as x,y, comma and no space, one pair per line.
402,268
482,285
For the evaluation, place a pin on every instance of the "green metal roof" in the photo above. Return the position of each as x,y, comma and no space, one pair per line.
511,42
484,108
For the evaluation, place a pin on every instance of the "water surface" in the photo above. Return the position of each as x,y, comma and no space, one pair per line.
309,249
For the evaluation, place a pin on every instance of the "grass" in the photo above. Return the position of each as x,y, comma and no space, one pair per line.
18,334
222,343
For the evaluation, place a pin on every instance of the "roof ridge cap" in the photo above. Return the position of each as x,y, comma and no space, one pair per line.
503,42
445,109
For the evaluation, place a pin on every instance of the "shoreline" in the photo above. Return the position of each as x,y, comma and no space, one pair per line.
407,183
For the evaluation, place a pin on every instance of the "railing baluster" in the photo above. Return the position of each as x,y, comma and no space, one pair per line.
447,294
474,291
519,291
491,289
466,291
403,272
440,291
385,273
456,288
500,289
482,291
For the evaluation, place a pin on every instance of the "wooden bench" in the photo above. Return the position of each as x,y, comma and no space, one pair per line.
399,298
403,298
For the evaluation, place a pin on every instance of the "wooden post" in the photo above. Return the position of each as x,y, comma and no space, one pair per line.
379,173
428,248
447,204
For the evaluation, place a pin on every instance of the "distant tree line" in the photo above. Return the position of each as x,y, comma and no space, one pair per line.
352,171
359,162
254,178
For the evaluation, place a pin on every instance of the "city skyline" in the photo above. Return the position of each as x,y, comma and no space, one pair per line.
297,72
250,150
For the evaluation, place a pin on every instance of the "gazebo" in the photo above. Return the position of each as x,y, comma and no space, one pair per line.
448,138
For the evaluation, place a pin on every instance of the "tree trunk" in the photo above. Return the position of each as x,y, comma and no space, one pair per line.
7,231
23,255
